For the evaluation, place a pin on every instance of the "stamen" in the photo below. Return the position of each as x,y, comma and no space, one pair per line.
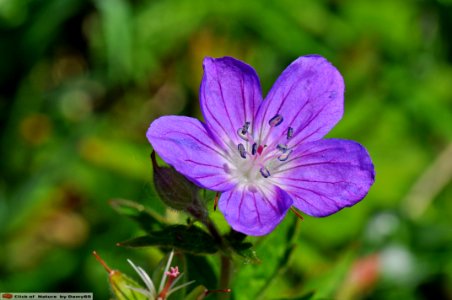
264,172
254,149
260,149
242,135
284,156
243,131
275,121
289,133
242,150
283,148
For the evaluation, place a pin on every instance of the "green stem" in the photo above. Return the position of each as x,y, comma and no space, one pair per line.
214,232
226,263
225,277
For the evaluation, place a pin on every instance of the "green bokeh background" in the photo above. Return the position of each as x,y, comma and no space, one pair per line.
82,80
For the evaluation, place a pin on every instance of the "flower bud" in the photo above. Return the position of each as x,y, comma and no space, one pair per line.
176,191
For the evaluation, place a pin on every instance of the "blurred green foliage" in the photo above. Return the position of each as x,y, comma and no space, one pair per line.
81,80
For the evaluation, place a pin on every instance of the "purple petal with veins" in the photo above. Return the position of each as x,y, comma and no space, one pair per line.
254,211
326,175
309,94
185,144
230,94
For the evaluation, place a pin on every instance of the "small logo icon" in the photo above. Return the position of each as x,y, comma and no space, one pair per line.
7,296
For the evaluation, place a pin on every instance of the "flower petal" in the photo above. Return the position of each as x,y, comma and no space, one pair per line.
185,144
325,176
309,96
230,95
254,211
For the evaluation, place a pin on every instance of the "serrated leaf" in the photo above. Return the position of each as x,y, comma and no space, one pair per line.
146,218
189,239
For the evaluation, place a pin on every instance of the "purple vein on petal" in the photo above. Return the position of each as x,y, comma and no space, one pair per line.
302,156
315,164
299,130
297,157
243,97
306,125
240,204
207,176
316,193
313,181
216,120
285,97
312,191
266,200
220,183
284,100
198,140
253,107
203,164
306,152
310,121
264,115
224,102
212,115
227,201
309,203
257,211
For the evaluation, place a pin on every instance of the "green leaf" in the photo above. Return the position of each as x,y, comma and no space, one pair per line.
147,218
200,270
243,250
246,252
280,266
327,286
189,239
251,281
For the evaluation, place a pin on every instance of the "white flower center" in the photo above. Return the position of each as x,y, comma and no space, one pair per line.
254,161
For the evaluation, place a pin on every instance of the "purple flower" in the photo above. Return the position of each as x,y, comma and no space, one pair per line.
267,155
